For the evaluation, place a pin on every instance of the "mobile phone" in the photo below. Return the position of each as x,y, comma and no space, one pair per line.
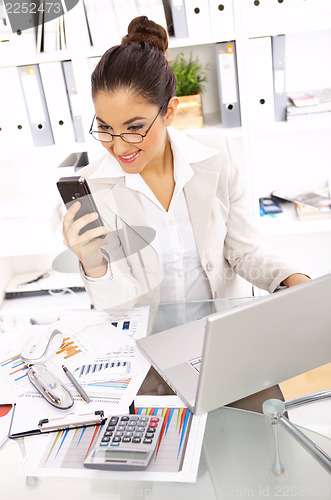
76,188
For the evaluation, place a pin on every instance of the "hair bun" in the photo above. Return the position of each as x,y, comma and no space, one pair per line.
142,30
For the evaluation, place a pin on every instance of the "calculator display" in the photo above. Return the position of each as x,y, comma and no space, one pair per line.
120,455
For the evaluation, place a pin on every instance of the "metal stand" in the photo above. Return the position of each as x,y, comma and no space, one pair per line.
274,410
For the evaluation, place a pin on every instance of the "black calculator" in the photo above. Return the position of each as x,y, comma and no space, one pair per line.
126,442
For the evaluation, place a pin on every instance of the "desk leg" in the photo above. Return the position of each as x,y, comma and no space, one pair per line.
30,481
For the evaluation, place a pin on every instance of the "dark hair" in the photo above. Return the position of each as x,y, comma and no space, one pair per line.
139,63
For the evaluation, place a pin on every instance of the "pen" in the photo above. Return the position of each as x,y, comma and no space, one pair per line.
76,385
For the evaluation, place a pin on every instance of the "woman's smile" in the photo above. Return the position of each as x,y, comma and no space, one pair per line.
130,157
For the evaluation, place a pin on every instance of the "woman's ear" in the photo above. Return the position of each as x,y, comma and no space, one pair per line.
171,111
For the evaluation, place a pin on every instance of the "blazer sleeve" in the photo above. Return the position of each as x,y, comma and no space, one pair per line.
242,247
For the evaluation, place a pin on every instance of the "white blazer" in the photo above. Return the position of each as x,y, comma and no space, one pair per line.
221,215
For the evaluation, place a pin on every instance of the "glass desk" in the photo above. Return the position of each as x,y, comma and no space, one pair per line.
236,458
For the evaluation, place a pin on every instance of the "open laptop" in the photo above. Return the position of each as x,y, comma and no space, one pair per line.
216,360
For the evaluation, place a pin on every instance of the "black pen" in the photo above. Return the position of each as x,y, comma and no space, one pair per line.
76,385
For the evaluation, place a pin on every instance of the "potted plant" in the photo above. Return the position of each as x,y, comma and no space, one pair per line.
191,75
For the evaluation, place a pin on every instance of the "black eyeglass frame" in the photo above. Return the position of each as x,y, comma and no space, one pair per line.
125,133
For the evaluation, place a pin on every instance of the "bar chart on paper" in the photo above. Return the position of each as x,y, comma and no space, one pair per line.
68,449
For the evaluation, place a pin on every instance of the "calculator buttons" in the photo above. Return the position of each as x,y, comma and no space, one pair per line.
140,429
113,421
119,433
110,428
116,439
125,418
121,427
143,419
136,440
114,444
151,429
147,441
153,424
128,434
130,427
154,419
126,440
105,439
108,433
149,435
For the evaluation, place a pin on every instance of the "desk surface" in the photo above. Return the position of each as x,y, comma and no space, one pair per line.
236,459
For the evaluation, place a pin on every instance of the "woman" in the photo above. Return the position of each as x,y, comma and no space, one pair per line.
176,213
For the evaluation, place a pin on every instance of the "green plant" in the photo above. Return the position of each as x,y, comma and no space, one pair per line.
190,75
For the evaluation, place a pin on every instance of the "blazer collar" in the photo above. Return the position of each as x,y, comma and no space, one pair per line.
126,204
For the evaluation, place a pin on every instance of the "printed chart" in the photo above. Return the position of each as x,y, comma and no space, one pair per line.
176,459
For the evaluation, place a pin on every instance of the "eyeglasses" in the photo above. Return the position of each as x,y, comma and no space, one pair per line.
131,138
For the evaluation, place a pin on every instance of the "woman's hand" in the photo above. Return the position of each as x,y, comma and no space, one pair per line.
86,246
295,279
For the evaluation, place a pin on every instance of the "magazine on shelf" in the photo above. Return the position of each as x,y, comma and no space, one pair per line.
311,198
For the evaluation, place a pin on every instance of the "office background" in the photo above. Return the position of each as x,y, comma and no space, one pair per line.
281,47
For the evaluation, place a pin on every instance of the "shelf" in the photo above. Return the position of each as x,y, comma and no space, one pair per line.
286,223
303,124
212,126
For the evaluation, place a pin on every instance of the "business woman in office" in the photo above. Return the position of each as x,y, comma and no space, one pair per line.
192,197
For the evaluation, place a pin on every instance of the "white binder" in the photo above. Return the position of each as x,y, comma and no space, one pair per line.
221,18
36,105
14,122
154,10
278,44
198,19
125,11
76,27
178,14
102,23
57,102
260,89
228,84
73,101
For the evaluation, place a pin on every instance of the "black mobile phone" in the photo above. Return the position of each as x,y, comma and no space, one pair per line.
76,188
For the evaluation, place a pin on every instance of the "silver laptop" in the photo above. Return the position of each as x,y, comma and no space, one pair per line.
216,360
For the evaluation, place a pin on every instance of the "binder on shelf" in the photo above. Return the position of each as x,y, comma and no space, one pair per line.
260,87
36,105
125,11
198,19
278,63
14,121
228,84
154,10
73,101
221,18
102,23
77,32
57,102
178,15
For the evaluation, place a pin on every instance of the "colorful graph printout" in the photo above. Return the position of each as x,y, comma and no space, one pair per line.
177,458
68,449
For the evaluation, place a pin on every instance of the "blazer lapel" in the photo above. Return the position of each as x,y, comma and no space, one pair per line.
200,192
117,199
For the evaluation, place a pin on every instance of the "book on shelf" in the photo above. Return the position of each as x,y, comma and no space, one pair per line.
311,103
318,199
307,212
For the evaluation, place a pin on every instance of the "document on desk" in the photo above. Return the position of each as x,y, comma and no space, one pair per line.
102,356
176,459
